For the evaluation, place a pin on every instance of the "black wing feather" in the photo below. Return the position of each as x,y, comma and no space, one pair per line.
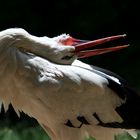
130,110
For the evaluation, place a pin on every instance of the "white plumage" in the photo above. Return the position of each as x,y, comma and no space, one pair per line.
35,80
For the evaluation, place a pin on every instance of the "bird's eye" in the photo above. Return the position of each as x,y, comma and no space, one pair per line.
67,57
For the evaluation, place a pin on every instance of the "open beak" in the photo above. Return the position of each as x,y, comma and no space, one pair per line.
82,45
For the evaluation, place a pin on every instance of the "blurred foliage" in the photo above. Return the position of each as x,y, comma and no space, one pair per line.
126,136
19,132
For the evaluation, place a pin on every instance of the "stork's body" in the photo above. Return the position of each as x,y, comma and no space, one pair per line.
70,101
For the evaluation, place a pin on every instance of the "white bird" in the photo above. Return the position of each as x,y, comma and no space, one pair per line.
71,100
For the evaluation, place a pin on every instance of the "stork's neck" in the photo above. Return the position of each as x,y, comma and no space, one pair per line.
11,37
20,39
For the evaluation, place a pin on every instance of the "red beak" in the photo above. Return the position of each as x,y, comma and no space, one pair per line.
81,45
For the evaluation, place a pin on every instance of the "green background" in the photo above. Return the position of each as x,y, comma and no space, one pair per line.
84,19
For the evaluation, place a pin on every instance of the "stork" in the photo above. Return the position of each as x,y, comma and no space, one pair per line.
71,100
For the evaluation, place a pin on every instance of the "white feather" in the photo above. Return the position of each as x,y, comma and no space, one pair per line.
54,93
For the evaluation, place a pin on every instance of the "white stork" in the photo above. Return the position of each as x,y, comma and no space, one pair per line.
71,100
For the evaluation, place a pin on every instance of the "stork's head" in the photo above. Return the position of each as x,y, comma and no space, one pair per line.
62,49
75,48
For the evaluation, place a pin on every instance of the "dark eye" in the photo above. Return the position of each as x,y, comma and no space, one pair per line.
67,57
